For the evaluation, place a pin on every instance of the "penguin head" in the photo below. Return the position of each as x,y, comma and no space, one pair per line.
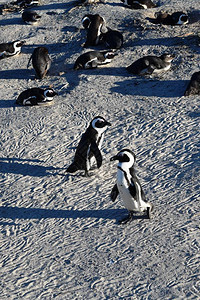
49,93
99,124
109,54
167,57
86,21
125,156
180,18
18,44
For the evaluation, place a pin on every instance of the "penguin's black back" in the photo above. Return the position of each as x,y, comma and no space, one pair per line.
41,61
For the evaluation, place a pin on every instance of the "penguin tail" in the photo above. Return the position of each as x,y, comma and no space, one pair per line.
72,168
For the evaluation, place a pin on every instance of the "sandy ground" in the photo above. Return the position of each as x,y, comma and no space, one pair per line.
60,237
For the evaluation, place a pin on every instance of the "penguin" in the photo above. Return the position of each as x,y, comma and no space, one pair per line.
139,4
193,87
176,18
30,17
148,65
36,96
95,25
89,147
92,59
128,186
25,3
112,38
41,61
10,48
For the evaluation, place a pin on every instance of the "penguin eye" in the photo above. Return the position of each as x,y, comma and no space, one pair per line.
99,124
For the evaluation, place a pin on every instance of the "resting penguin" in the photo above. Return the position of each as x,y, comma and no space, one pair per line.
112,38
177,18
128,186
95,25
194,85
139,4
36,96
89,147
92,59
10,49
41,61
30,17
25,3
148,65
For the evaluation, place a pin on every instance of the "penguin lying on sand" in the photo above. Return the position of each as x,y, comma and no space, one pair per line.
10,49
89,147
176,18
30,17
92,59
41,61
194,85
128,186
148,65
95,25
112,38
18,5
36,96
139,4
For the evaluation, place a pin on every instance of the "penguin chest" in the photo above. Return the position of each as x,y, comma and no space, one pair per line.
123,182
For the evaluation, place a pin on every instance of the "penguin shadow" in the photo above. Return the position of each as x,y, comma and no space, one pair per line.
14,74
9,212
7,103
25,167
56,6
12,21
151,87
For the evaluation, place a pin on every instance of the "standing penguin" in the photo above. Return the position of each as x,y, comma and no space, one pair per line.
10,49
193,87
128,186
148,65
41,61
89,146
95,25
36,96
30,17
92,59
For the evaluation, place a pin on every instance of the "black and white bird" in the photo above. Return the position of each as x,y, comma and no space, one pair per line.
89,147
128,186
92,59
41,61
10,48
30,17
176,18
139,4
112,38
95,25
193,87
151,65
25,3
36,96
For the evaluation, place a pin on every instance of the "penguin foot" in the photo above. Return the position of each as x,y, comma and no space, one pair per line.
149,212
127,219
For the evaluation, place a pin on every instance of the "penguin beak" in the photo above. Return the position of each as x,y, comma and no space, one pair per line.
114,158
107,123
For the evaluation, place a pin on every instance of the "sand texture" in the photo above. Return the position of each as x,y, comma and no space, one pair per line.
59,233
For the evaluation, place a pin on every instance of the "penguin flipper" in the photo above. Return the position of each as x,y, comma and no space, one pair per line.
114,193
97,153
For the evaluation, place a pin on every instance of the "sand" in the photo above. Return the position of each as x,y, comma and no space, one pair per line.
60,237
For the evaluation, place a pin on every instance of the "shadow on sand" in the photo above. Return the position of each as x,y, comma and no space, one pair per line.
20,166
41,213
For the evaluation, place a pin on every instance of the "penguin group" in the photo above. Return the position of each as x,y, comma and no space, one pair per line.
88,152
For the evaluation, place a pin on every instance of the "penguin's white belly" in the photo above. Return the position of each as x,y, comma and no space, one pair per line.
157,71
129,202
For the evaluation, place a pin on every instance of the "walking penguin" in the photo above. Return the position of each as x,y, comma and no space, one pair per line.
128,186
89,147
